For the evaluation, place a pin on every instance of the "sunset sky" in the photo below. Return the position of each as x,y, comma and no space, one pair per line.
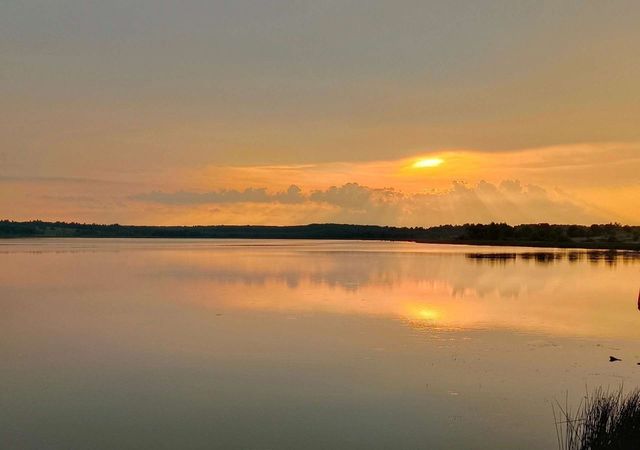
287,112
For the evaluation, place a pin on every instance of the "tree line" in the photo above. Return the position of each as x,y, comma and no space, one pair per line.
612,234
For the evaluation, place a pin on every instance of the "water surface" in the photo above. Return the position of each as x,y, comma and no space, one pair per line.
200,344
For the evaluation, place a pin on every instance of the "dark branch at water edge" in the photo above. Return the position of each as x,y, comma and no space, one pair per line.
606,236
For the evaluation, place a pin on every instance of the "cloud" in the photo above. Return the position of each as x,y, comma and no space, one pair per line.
353,196
508,200
248,195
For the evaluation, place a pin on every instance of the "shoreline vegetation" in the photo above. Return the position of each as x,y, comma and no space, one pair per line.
604,420
612,236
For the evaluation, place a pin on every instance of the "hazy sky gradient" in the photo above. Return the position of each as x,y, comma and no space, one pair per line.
128,111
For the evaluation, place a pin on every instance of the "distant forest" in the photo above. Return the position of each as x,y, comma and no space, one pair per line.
612,235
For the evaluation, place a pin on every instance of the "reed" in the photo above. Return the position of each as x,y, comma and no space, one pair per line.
603,420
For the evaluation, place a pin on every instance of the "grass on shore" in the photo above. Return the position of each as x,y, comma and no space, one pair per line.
604,420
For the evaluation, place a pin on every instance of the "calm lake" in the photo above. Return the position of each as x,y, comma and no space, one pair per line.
246,344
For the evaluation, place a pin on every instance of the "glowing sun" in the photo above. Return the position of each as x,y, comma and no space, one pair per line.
428,162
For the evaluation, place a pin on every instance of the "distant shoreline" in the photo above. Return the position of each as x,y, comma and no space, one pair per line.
542,235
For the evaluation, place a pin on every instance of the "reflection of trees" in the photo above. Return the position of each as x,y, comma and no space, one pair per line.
507,274
347,271
610,257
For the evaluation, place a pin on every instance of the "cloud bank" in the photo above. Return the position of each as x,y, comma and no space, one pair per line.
509,201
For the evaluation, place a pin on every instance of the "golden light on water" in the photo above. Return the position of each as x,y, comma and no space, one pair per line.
418,312
429,314
427,162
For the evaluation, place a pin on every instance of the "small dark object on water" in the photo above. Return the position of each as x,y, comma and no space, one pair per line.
613,359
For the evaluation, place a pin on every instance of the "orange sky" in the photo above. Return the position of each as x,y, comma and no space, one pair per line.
581,183
284,112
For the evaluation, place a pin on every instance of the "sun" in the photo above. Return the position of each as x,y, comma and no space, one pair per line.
427,162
